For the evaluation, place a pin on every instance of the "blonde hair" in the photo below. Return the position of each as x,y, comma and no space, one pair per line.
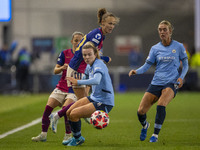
77,33
91,45
102,14
170,26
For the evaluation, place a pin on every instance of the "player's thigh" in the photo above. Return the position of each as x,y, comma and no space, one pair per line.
81,102
70,98
68,101
56,98
80,92
147,101
84,111
166,97
52,102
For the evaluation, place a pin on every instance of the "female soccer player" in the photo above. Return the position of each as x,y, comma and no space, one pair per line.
101,98
167,55
61,94
107,22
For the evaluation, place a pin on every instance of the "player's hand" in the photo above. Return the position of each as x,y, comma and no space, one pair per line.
109,60
132,72
180,81
72,80
64,67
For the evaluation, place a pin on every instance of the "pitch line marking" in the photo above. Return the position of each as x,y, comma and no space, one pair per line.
34,122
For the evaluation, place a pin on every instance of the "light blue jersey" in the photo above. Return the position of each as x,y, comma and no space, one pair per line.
167,59
102,92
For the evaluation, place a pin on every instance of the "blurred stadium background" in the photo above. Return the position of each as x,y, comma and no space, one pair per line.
44,27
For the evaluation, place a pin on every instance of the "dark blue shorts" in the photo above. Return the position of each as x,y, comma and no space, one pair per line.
157,89
100,106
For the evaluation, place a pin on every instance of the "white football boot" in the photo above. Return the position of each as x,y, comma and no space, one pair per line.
67,139
41,137
53,123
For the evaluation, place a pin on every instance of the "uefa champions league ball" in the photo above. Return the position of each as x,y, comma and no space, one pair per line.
99,119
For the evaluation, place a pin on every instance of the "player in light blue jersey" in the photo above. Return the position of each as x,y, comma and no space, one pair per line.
101,98
167,55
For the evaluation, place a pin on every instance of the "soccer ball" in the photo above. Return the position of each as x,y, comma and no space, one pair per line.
99,119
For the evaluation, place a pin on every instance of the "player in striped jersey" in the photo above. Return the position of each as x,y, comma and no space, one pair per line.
107,22
62,94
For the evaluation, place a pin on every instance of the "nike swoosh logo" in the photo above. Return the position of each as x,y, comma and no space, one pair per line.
79,142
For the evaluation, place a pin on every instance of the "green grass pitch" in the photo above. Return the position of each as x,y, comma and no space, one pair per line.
181,129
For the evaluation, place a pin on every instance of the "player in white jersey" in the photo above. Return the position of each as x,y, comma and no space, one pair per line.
167,55
101,98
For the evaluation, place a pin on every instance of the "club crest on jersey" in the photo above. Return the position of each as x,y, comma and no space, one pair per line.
98,36
173,51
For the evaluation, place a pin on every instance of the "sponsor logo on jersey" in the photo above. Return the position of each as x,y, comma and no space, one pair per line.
95,40
166,59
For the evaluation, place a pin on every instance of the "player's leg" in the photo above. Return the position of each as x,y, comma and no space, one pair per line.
55,99
70,99
147,101
51,104
80,92
165,98
68,136
80,109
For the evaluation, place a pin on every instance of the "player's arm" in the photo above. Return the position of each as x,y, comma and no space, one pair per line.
183,73
92,81
58,68
106,59
149,62
140,70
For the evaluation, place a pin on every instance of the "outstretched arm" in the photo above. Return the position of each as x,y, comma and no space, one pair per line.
92,81
140,70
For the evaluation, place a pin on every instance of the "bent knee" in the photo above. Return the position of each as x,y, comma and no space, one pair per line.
68,113
73,116
141,111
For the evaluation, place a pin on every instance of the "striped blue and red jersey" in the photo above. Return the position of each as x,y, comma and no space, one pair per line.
96,36
64,58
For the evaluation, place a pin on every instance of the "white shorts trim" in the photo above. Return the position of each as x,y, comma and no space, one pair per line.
61,96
